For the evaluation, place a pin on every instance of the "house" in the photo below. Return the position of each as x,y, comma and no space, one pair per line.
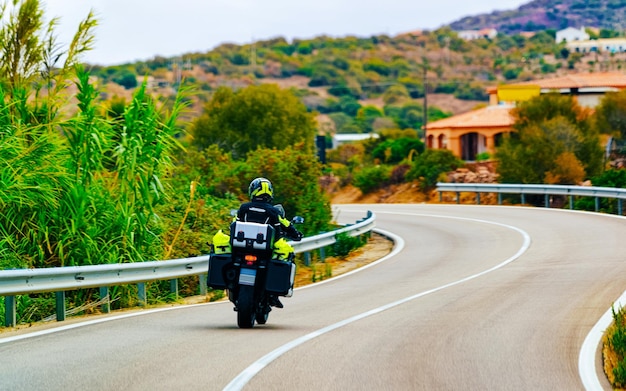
608,45
342,138
471,133
469,35
571,34
477,131
588,88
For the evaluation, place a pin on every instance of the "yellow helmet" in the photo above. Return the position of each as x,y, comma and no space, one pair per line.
261,189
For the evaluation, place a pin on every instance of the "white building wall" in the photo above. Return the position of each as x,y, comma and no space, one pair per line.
571,34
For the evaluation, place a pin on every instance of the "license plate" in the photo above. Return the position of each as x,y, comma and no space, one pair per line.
247,276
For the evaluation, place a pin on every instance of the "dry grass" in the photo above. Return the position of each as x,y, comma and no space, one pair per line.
377,247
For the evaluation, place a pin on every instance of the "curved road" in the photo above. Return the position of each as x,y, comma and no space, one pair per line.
474,298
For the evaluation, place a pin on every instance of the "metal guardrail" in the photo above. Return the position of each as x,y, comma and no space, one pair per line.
546,190
61,279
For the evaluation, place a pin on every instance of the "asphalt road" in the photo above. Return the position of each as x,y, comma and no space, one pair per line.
474,298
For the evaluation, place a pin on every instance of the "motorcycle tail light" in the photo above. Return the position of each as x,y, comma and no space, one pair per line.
250,259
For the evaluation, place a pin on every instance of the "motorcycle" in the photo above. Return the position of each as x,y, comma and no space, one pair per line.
248,268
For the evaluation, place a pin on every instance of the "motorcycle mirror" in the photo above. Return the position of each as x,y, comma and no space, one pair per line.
233,212
297,220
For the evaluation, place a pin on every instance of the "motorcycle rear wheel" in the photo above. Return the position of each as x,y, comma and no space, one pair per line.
245,307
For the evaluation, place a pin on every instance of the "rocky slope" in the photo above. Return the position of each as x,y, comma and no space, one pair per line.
550,14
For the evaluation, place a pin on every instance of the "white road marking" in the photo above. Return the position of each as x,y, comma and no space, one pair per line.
247,374
587,356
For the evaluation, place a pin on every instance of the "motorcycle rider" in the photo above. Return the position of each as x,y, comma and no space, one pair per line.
261,210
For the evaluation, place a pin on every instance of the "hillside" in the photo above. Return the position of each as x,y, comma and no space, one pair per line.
336,77
549,14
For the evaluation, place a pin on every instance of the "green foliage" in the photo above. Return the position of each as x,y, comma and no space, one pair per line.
344,244
76,192
323,75
366,116
31,53
342,89
553,136
377,65
349,105
469,91
395,151
395,94
295,173
126,79
342,122
609,178
617,342
483,156
255,117
428,166
371,178
611,114
414,86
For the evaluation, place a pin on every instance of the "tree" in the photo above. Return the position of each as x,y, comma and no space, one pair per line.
554,142
610,114
263,116
126,78
295,173
366,115
396,94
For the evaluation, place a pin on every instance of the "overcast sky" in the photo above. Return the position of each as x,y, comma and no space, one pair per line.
132,30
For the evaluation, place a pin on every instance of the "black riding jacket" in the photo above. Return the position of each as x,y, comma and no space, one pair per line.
266,213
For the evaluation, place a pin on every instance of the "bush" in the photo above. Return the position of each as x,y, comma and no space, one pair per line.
609,178
394,151
616,340
345,244
372,178
431,164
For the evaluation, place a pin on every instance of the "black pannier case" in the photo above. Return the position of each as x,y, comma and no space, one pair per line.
215,278
280,276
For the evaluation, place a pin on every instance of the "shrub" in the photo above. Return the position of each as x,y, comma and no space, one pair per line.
372,178
431,164
394,151
616,340
345,244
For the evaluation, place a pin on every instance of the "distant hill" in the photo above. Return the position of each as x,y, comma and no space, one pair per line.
551,14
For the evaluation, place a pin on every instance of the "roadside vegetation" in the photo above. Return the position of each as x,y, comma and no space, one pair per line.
86,181
614,350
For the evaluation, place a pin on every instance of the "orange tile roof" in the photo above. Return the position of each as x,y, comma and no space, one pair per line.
577,80
487,117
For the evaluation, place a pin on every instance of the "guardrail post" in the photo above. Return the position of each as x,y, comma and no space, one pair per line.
440,196
10,309
597,204
174,287
619,206
307,258
202,283
571,202
499,198
477,198
322,254
60,304
458,197
141,293
104,295
523,199
547,200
